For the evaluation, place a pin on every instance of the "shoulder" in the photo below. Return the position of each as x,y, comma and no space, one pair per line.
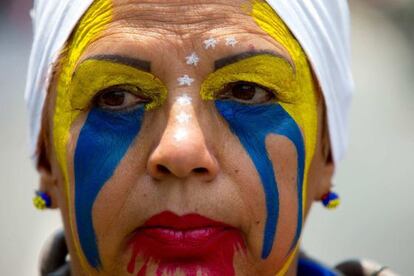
361,267
353,267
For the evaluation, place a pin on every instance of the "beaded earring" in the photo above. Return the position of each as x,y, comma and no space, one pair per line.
42,200
330,200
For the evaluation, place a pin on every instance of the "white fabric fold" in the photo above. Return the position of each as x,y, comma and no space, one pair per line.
320,26
53,22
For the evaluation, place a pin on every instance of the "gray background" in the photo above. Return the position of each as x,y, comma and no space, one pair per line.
375,181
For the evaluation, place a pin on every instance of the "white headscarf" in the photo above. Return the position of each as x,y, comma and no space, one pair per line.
320,26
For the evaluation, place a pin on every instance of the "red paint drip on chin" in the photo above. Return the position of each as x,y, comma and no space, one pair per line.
200,245
143,270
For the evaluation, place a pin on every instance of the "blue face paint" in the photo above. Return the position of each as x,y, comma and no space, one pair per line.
251,124
103,141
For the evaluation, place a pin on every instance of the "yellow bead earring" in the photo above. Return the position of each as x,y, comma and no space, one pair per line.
42,200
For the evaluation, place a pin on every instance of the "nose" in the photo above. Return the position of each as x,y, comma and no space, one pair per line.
182,152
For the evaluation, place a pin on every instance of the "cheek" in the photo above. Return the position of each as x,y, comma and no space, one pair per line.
122,204
253,125
283,154
102,143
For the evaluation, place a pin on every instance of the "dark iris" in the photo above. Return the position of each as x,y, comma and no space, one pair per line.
243,91
112,98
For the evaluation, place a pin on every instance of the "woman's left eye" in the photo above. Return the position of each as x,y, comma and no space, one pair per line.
117,98
247,92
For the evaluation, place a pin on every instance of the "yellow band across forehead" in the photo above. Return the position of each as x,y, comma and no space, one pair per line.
94,21
304,112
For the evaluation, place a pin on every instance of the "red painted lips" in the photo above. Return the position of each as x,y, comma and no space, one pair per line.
190,242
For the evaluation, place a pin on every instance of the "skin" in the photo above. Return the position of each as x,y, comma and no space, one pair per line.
157,173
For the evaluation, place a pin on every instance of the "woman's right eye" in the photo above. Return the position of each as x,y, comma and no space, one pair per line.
118,98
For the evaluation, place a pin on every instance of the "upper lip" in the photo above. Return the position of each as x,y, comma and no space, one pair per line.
173,238
168,219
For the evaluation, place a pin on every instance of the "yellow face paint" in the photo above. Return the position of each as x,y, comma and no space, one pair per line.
293,87
94,75
266,70
304,112
290,85
94,21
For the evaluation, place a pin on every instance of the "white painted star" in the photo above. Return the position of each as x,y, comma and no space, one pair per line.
181,134
192,59
231,41
183,117
185,80
210,43
184,99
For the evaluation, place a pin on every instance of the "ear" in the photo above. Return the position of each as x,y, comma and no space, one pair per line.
322,166
327,167
48,180
323,161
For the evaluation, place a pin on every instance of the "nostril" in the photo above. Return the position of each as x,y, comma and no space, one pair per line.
200,170
163,169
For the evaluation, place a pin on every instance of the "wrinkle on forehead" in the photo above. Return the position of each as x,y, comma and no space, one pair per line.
179,17
174,24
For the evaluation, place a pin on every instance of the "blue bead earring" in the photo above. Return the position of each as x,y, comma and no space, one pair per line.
42,200
330,200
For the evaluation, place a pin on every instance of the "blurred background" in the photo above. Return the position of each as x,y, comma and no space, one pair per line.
375,181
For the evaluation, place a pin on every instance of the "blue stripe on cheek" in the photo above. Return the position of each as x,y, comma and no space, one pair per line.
103,141
251,124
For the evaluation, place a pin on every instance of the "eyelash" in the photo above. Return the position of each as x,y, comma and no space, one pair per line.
127,91
227,91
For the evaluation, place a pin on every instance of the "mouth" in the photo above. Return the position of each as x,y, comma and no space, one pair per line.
167,236
192,243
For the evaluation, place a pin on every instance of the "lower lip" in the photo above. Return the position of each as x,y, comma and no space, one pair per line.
171,244
209,248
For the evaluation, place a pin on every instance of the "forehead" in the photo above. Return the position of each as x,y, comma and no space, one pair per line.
180,17
179,26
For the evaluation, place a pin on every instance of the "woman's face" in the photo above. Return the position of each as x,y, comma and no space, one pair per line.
182,139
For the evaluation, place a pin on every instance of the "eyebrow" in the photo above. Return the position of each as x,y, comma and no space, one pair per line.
244,55
139,64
